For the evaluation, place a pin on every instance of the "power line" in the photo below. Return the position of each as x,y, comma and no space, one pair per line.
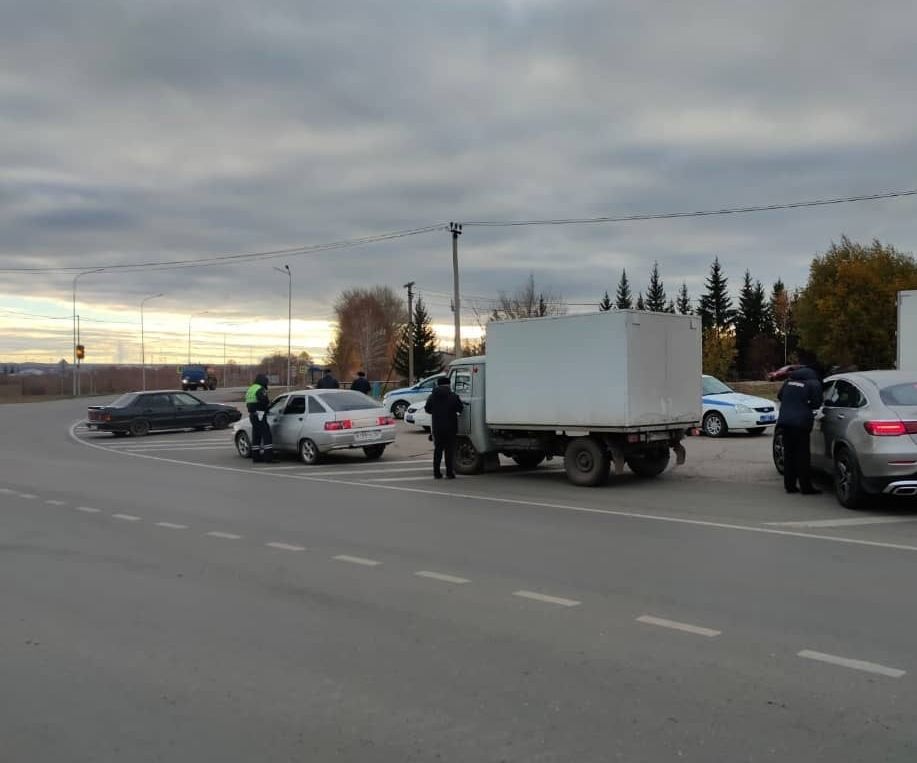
700,213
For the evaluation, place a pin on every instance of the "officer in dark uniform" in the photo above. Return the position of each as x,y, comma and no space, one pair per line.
799,398
257,401
444,406
361,383
328,381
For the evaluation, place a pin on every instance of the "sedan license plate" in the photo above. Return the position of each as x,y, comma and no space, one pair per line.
767,419
367,436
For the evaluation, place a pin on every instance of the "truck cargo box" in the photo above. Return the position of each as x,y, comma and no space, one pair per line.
907,331
622,369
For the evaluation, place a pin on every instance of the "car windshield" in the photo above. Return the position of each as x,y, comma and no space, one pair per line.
348,401
900,394
125,401
713,386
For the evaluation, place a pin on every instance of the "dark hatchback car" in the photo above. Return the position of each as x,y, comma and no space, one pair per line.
136,413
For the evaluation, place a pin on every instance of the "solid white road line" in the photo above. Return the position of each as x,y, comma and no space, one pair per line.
852,522
357,560
171,526
441,576
167,444
27,496
88,509
226,536
663,623
285,546
348,472
527,504
868,667
54,502
547,599
401,479
7,491
127,517
158,449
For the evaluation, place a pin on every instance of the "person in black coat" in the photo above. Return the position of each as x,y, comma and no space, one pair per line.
799,398
444,406
361,383
328,381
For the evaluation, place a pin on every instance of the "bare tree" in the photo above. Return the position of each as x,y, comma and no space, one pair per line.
528,302
369,325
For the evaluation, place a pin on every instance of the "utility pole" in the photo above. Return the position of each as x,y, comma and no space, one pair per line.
76,338
456,230
286,271
142,344
410,287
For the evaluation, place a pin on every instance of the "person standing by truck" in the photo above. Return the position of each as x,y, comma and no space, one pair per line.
328,381
444,406
799,398
361,383
257,401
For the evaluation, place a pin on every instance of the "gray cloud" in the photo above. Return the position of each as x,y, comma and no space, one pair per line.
153,130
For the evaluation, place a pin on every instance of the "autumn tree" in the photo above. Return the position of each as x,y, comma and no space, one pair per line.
623,299
847,311
655,292
370,323
427,359
719,351
528,302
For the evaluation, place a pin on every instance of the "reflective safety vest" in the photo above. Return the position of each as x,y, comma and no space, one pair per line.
251,394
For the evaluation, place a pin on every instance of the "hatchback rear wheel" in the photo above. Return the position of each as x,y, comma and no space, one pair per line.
243,445
374,451
309,453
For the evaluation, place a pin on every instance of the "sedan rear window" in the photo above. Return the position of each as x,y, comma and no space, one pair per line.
347,401
900,394
125,401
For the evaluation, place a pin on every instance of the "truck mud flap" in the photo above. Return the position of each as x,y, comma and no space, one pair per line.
680,454
619,462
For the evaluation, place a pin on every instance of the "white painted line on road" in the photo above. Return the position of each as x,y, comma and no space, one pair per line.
357,560
127,517
371,471
547,599
157,449
27,496
170,444
401,479
285,546
852,522
7,491
441,576
303,475
55,502
88,509
868,667
171,526
226,536
674,625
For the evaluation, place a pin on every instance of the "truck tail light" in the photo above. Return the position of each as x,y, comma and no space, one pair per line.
385,421
337,426
890,428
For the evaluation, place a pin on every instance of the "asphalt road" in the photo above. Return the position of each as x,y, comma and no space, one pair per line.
162,599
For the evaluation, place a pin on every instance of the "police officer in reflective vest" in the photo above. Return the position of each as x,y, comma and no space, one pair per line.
257,402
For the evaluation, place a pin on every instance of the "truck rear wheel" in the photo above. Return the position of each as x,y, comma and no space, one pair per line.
467,458
586,462
649,464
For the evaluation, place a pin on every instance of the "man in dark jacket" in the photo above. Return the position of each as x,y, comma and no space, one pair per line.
361,383
328,381
444,406
799,398
257,401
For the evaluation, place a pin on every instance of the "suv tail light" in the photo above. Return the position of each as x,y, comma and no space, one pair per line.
337,426
385,421
890,428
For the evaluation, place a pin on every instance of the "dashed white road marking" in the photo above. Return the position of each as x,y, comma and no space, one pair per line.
868,667
441,576
697,630
851,522
127,517
171,526
27,496
285,546
559,600
357,560
401,479
55,502
87,509
226,536
7,491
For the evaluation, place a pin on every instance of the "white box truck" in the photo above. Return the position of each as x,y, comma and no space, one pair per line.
907,331
618,387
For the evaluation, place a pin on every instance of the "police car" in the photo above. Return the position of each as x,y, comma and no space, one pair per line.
725,410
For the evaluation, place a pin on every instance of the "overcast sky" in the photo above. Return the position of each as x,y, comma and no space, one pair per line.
149,130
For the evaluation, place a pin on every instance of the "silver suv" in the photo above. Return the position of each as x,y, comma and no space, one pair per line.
865,435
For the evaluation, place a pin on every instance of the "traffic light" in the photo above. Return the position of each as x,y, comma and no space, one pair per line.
80,352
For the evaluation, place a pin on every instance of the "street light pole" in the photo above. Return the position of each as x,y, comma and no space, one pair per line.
410,287
76,341
456,230
142,341
190,318
286,271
